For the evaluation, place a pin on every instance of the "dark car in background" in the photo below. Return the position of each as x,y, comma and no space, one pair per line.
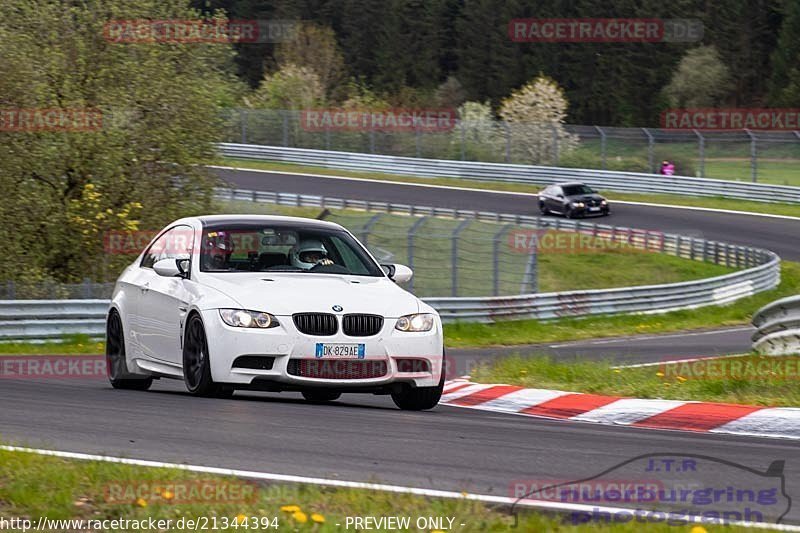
573,199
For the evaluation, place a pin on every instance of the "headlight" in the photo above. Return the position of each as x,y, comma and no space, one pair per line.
578,204
603,202
240,318
418,322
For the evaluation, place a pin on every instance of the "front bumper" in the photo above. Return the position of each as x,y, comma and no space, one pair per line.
285,343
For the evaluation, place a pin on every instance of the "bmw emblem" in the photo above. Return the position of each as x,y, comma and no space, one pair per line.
337,308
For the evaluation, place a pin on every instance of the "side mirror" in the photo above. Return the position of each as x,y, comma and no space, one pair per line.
170,268
398,273
560,196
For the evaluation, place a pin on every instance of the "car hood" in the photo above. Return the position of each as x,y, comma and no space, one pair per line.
288,293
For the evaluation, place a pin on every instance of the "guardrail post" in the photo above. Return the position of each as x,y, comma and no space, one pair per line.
365,231
454,254
650,151
418,140
496,259
602,146
702,150
508,141
243,124
327,139
555,143
753,156
87,288
285,118
11,290
463,140
412,232
530,280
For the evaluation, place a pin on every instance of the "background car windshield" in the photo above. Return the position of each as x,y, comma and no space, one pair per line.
248,248
572,190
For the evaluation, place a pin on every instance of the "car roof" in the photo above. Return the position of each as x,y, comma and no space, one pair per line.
221,220
568,183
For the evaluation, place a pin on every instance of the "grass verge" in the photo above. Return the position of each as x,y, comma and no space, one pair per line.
749,380
536,331
666,199
34,486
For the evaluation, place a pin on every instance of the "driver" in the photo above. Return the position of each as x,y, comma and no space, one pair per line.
308,254
217,250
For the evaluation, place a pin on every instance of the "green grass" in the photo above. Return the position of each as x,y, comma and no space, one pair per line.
68,345
667,199
536,331
33,486
673,382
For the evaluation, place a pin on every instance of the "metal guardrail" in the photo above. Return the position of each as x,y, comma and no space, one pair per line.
778,326
528,174
42,319
51,319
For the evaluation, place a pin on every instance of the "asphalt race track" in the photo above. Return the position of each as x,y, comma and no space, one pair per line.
359,438
365,438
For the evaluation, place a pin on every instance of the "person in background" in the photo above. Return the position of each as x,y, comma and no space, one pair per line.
667,168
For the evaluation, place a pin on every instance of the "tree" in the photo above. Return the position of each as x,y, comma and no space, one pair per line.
535,116
482,136
784,86
141,165
291,87
314,47
701,79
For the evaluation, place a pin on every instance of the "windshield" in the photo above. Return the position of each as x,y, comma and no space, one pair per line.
572,190
283,248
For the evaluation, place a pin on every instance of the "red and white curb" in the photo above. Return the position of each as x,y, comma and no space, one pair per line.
703,417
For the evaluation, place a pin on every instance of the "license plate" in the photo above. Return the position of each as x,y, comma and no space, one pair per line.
340,351
594,209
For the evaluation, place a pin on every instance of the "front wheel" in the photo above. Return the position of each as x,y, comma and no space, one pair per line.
543,209
421,398
197,364
116,364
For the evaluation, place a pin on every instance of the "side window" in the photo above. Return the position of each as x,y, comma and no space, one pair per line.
171,244
349,258
557,191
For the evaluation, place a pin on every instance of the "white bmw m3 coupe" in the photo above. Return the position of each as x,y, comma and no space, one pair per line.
271,303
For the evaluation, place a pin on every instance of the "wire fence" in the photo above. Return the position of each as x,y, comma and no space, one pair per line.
744,155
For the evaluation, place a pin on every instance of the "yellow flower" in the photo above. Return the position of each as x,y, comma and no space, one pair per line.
660,374
241,518
300,516
666,384
290,508
681,378
617,370
167,495
318,518
141,502
699,529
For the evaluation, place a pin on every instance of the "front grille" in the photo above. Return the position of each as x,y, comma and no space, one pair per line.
336,369
321,324
362,325
592,202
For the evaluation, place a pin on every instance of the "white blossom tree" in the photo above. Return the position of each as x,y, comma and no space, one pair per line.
534,117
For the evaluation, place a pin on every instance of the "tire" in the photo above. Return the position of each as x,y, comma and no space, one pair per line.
570,213
197,365
543,209
421,398
321,396
116,366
